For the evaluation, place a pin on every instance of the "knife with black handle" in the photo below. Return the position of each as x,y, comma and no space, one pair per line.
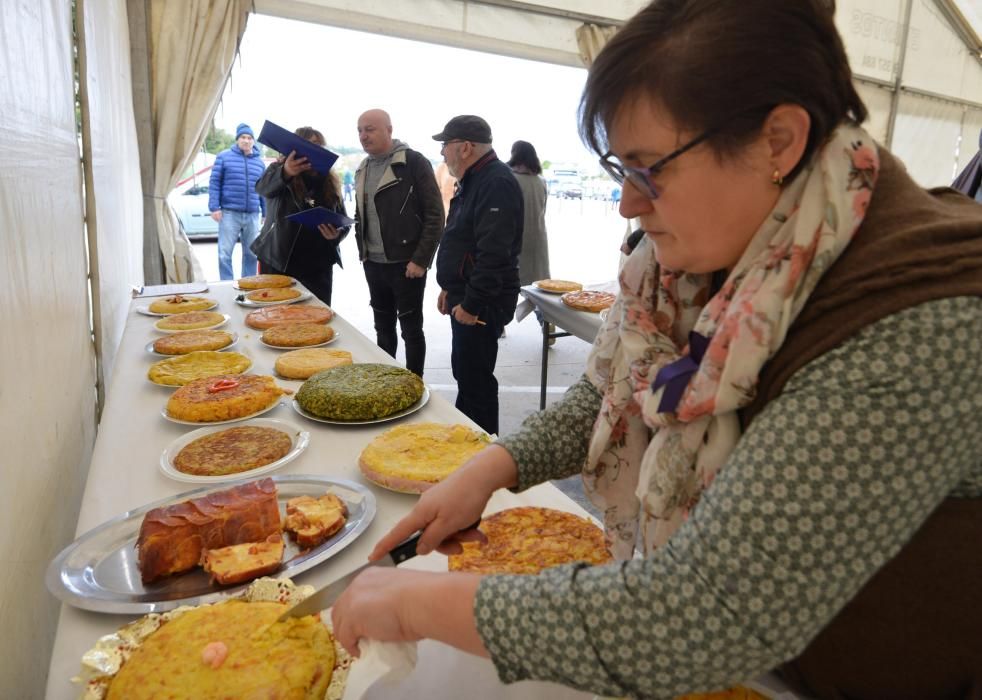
325,597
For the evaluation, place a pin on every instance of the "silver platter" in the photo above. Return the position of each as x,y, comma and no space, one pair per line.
98,571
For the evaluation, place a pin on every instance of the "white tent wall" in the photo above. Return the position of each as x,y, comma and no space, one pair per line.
940,82
877,100
926,138
112,172
937,59
47,384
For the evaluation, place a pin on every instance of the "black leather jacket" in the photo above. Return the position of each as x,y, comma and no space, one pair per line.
409,208
275,243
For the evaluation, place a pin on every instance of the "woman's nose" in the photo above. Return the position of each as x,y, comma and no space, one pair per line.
633,202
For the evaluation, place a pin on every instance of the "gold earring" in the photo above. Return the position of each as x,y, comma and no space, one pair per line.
777,178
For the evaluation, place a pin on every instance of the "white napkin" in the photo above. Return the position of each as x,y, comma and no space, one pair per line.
387,662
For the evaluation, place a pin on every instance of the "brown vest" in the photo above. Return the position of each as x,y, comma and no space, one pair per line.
915,629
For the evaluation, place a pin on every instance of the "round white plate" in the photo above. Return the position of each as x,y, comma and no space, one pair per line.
225,319
299,347
149,348
242,301
178,386
398,414
269,408
551,291
300,439
145,310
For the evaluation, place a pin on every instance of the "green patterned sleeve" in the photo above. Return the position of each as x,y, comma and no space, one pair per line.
552,444
826,486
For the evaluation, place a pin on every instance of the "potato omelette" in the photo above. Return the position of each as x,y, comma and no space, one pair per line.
413,457
232,649
528,539
182,369
232,451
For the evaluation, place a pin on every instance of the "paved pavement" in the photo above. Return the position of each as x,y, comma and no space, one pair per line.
584,237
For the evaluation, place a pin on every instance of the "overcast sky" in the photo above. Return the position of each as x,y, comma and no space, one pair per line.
297,74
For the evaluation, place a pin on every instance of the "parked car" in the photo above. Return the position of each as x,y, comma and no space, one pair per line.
191,208
570,190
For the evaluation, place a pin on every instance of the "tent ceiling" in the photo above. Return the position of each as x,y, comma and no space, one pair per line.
540,30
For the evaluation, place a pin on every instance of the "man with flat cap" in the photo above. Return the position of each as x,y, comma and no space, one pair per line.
477,263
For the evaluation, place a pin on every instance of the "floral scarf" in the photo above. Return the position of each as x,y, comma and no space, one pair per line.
652,455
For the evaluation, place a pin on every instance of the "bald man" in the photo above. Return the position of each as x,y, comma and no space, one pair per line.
398,225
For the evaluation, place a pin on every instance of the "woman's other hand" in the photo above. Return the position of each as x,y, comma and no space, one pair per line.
457,502
293,165
328,231
397,605
441,302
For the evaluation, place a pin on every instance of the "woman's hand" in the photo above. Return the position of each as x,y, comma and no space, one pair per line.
441,302
328,231
452,505
293,166
396,605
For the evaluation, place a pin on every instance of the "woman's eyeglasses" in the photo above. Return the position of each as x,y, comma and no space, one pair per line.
641,178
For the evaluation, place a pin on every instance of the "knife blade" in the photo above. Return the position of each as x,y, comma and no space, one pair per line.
325,597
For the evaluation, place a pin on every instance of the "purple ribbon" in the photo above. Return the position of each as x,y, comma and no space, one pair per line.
675,375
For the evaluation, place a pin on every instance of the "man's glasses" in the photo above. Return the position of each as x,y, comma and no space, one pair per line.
642,178
447,143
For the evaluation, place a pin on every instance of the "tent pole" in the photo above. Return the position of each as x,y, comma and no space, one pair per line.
899,79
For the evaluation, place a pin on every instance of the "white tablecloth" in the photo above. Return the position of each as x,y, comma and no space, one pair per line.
583,324
124,474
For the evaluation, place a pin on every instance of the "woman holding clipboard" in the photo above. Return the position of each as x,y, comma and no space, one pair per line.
308,251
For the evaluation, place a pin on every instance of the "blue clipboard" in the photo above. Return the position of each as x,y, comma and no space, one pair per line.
283,141
312,218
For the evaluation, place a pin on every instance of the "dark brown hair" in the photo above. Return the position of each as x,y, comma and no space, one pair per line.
332,185
724,65
523,153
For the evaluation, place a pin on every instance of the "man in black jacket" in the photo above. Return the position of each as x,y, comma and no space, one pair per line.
399,221
477,264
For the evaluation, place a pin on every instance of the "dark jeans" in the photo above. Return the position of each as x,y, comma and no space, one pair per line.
319,281
395,296
473,355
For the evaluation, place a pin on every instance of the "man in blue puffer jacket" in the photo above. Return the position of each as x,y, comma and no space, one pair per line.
233,202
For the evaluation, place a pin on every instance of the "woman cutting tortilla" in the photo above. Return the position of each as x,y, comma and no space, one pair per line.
780,412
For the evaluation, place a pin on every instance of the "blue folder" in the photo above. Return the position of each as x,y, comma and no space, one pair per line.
283,141
312,218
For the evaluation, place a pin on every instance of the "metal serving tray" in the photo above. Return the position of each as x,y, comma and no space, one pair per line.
98,571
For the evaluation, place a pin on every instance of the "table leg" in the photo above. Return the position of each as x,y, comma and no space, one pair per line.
545,362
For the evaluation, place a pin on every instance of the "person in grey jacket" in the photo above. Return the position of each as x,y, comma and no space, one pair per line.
533,263
398,225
